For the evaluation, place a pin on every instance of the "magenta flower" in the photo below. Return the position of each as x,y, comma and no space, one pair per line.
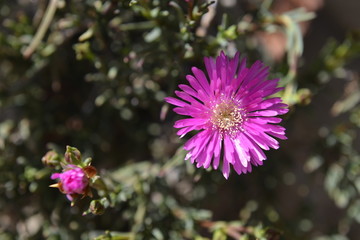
233,113
72,181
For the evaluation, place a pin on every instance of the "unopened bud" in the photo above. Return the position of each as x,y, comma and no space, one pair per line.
51,159
72,155
304,96
97,207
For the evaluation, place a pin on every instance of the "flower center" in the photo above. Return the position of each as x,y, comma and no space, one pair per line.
227,117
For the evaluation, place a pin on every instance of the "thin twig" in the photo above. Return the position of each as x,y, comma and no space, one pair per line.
44,25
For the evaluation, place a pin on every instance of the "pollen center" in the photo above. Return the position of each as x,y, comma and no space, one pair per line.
227,117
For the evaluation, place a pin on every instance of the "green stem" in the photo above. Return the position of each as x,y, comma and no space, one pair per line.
137,26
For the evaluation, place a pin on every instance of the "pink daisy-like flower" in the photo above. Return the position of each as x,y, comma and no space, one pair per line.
72,181
232,112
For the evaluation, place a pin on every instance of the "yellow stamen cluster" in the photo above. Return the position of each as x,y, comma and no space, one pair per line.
227,117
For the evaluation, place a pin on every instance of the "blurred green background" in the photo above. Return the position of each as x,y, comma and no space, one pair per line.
93,74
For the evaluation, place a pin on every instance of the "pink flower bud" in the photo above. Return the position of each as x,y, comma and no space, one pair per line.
72,181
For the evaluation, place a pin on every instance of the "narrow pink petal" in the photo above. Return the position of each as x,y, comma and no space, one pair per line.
265,139
217,150
220,66
253,147
233,65
278,135
264,89
259,141
224,72
269,92
206,153
193,141
188,90
268,128
255,160
241,73
244,156
266,85
69,197
189,110
210,68
278,106
216,162
254,69
202,95
239,168
185,96
265,113
194,83
242,66
189,122
210,150
265,120
257,78
226,168
200,76
251,104
209,156
175,101
181,111
200,160
55,175
276,109
264,104
256,132
228,149
182,132
200,143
